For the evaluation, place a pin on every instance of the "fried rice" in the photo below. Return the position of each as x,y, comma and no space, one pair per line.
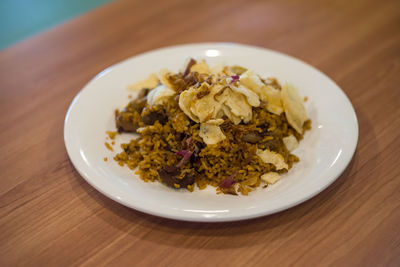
234,150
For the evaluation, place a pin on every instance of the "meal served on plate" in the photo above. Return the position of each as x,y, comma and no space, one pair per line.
223,126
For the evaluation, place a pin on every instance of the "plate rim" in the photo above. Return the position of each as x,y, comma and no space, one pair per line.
180,217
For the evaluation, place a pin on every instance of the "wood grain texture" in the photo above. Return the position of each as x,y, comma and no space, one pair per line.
50,216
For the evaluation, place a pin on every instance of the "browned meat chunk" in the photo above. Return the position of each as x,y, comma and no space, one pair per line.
252,137
168,175
151,117
125,120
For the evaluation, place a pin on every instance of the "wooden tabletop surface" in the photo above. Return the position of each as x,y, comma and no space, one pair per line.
49,215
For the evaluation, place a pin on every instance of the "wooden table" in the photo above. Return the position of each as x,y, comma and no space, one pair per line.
50,216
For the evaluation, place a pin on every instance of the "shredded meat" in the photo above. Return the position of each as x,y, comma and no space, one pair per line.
189,66
182,83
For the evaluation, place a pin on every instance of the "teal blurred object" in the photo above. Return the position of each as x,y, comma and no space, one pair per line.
20,19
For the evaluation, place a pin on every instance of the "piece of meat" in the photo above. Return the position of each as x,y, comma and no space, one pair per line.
168,175
151,117
182,83
272,145
139,102
136,105
125,119
143,93
179,136
189,65
187,180
125,125
252,137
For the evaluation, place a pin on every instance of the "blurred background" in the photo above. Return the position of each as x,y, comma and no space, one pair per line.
20,19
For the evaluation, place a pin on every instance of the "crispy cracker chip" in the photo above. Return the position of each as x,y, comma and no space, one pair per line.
274,158
164,78
294,108
201,67
274,103
158,95
207,107
185,100
150,82
211,133
266,93
237,104
252,98
290,142
270,177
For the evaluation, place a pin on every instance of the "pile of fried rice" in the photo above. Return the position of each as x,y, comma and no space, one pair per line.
223,126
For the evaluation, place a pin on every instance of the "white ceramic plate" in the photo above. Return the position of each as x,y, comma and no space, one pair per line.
324,153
